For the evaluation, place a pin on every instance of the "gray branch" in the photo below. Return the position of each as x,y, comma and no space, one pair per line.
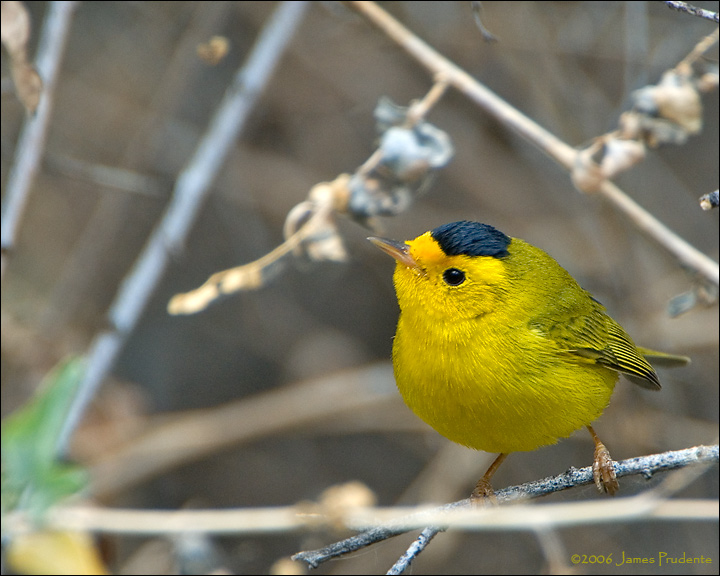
191,189
31,144
694,11
643,465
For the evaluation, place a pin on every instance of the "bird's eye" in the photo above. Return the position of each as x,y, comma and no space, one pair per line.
453,277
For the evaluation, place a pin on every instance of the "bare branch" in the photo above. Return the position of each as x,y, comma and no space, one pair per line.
421,542
611,510
304,516
31,144
191,188
558,150
386,183
382,523
694,11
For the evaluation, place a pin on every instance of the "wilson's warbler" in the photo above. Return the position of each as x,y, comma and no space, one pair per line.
499,349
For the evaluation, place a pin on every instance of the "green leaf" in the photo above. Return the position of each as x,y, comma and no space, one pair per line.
32,476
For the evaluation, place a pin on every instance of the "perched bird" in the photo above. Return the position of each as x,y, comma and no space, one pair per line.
499,349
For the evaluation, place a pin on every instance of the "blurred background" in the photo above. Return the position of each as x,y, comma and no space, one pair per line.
250,378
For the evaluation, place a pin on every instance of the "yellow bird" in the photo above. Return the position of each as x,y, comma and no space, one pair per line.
499,349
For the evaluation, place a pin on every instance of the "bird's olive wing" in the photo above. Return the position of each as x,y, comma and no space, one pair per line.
592,335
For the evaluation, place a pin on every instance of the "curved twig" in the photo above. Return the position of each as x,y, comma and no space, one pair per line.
611,511
558,150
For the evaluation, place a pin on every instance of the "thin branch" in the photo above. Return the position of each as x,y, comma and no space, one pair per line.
309,226
31,144
700,48
102,175
606,510
251,275
191,189
694,11
558,150
421,542
534,518
464,514
486,34
399,520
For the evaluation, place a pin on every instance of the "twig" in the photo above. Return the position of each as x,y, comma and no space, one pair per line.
694,11
554,147
304,516
422,107
309,226
107,176
648,501
609,511
700,48
486,34
246,276
421,542
191,188
463,514
31,143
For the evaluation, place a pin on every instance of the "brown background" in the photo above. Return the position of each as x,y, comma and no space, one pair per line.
132,94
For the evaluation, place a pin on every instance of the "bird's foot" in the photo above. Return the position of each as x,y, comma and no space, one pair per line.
483,493
603,471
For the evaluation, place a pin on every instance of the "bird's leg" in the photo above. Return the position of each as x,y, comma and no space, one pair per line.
603,472
483,489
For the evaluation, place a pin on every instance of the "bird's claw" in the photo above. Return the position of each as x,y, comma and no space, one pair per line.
603,471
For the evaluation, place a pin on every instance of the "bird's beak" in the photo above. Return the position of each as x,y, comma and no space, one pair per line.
398,250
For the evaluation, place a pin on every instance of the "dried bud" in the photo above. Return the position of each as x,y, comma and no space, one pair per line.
620,155
670,111
586,174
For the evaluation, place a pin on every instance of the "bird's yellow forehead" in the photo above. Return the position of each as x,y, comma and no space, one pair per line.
426,251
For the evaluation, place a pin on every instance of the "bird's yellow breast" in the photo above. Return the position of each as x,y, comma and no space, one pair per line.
498,391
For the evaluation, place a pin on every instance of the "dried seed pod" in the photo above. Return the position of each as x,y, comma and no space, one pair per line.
669,111
620,155
586,174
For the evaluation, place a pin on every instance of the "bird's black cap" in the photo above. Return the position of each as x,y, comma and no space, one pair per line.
471,239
